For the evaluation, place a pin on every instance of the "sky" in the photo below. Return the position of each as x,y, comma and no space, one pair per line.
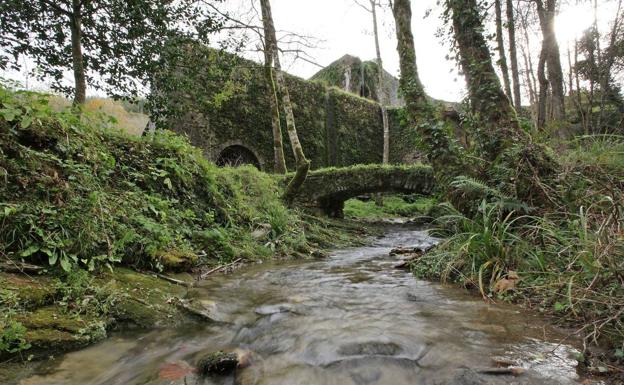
345,28
342,27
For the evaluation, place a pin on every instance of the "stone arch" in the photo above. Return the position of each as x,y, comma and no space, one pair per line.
236,153
327,190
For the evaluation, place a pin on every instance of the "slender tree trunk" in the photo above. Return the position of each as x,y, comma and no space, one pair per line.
579,100
443,154
381,95
570,76
513,55
529,69
303,165
605,67
531,88
279,162
502,61
543,89
381,90
552,55
80,96
501,127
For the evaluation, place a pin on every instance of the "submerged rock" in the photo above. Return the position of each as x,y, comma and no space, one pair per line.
370,349
217,363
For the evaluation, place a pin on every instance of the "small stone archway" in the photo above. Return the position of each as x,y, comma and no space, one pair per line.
326,190
237,154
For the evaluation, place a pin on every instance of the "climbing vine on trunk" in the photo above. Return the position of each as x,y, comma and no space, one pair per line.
303,165
441,150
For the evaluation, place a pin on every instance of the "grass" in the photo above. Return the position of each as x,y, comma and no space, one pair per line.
569,259
393,207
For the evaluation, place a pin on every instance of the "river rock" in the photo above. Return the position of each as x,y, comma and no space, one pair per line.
274,309
372,348
217,363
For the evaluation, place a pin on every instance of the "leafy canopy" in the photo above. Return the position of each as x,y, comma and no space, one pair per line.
121,40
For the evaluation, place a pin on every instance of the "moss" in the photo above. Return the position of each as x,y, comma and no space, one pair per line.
48,339
177,260
55,317
31,292
217,363
145,301
336,128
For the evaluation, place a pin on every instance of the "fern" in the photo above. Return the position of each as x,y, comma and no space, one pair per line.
479,189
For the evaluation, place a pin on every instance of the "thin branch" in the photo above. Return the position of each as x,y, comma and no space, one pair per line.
57,8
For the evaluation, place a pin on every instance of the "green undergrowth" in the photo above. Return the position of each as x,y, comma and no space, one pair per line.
569,259
393,206
75,194
99,210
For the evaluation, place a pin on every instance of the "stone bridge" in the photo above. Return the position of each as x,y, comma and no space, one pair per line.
327,189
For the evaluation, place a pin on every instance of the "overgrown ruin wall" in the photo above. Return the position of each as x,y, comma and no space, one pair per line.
335,128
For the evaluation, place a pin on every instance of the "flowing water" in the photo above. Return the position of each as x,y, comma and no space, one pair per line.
349,319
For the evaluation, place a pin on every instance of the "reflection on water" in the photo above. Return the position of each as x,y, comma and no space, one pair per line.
350,319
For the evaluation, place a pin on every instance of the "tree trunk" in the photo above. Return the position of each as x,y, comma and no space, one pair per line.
502,61
513,55
303,165
381,88
499,120
543,89
80,95
552,55
607,64
515,162
579,100
441,151
279,164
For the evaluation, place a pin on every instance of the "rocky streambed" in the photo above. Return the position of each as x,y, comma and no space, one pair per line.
352,318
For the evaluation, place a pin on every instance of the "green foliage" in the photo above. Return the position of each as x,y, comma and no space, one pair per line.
481,249
569,259
12,337
393,206
12,332
119,39
337,128
77,292
77,194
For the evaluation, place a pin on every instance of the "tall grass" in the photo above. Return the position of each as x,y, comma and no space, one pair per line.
570,259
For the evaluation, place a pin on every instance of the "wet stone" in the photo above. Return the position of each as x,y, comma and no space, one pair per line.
370,349
217,363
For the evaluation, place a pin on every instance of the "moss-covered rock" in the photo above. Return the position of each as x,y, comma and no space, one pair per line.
217,363
30,291
145,301
177,260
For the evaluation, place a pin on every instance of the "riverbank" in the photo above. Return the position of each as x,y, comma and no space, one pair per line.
99,229
348,318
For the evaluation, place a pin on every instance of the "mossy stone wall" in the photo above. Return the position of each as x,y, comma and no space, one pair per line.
336,128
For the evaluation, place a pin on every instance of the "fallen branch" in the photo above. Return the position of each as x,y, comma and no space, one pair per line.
166,278
173,280
218,268
20,267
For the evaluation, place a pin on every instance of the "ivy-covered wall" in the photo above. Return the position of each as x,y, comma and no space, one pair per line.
336,128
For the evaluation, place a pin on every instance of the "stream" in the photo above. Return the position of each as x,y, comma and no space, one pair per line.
349,319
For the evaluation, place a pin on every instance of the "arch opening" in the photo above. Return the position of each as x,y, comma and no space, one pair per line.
237,155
